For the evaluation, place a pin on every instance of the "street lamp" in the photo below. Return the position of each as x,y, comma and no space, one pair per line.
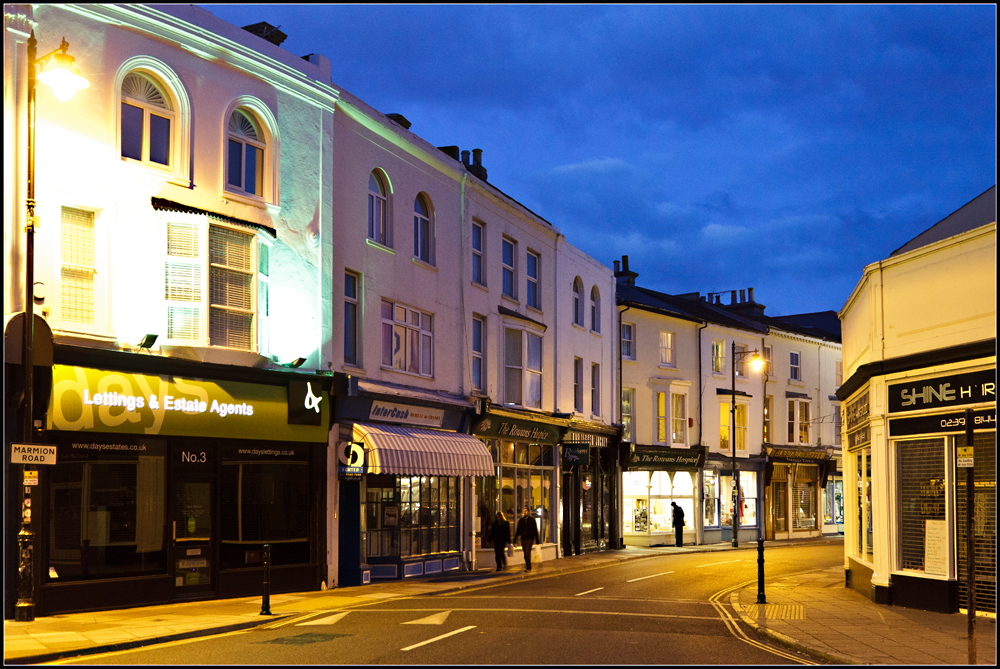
757,363
56,70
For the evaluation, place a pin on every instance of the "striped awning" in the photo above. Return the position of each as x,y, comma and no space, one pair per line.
395,449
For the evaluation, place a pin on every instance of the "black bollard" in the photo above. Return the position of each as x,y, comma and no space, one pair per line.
761,599
265,607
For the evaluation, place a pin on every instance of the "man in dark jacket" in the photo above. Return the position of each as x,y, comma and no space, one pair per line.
527,531
678,522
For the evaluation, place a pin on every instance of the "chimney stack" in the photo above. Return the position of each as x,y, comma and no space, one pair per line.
624,276
465,157
477,157
751,296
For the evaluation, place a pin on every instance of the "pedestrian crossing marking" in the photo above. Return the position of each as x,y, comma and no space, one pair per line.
775,611
435,619
326,620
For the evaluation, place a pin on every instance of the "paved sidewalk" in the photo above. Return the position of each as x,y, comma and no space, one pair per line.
52,637
815,613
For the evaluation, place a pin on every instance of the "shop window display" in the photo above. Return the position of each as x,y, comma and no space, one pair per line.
748,499
411,515
524,479
647,499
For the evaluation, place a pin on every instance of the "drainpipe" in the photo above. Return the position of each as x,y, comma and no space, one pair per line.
760,483
617,499
700,524
469,530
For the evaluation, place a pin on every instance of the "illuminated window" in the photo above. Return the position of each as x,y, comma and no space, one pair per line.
667,349
147,121
741,426
718,356
378,222
768,417
740,360
407,339
661,417
423,238
678,418
628,402
838,373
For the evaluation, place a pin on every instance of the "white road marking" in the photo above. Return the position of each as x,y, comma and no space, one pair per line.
438,638
327,620
588,592
436,619
645,577
699,566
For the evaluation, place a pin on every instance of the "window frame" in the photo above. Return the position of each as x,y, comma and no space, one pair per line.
676,421
509,271
478,355
352,332
379,201
628,416
528,377
478,254
87,271
741,434
408,328
578,385
630,341
533,297
423,230
148,109
740,360
795,366
719,356
578,302
595,389
671,354
768,425
259,145
795,422
595,310
838,373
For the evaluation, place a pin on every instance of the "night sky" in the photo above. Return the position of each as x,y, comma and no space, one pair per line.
719,147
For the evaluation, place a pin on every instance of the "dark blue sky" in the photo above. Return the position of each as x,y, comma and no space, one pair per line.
719,146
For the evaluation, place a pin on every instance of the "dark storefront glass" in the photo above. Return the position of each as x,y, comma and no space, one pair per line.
106,513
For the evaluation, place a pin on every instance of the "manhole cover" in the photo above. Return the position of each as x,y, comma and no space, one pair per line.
303,639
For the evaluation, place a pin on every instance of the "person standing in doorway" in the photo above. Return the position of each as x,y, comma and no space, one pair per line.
500,536
677,518
527,532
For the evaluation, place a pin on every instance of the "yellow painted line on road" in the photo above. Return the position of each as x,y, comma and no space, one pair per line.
438,638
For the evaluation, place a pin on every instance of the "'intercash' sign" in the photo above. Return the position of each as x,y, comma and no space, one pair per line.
94,400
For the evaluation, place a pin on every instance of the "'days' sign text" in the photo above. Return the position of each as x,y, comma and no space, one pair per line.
85,399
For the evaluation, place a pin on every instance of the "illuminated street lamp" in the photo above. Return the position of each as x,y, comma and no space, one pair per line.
56,70
757,363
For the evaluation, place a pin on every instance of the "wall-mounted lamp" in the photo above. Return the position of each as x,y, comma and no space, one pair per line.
295,364
148,341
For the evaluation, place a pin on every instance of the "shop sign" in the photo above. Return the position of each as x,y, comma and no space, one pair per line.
406,413
944,391
665,458
94,400
517,430
595,440
351,455
796,455
575,455
856,412
942,423
32,454
305,399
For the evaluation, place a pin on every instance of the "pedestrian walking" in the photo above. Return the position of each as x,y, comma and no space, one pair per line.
677,518
500,536
527,532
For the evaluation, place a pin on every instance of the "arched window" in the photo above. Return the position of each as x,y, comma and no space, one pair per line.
378,209
578,302
595,310
245,154
147,121
422,237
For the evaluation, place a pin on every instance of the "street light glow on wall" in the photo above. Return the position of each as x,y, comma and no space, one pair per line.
56,70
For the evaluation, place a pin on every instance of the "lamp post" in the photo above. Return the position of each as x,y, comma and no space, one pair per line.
756,362
56,70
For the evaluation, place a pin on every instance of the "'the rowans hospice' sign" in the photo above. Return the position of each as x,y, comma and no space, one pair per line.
94,400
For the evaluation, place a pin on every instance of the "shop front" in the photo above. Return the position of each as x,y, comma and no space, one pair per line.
590,481
795,480
169,487
654,479
722,497
525,470
404,486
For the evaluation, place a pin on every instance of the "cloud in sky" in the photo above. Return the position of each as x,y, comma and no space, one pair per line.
719,146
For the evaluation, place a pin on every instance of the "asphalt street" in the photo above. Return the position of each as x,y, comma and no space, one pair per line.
660,610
